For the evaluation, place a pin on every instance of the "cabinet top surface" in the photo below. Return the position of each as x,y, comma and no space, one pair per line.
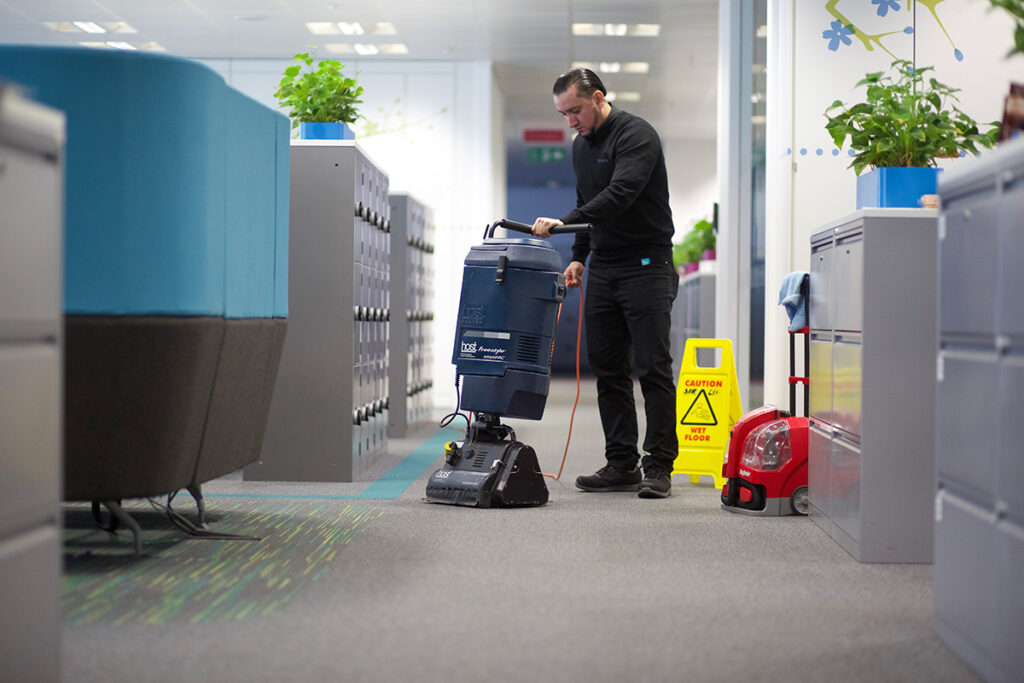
859,218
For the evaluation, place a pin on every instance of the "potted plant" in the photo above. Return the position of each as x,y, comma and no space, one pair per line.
705,230
904,125
322,99
686,254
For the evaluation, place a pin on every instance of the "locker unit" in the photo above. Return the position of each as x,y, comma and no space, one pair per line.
693,314
979,505
31,353
872,382
412,300
329,413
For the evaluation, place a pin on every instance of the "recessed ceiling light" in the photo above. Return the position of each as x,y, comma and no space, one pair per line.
628,96
322,28
351,29
339,48
615,29
393,49
119,27
382,28
587,29
644,30
584,65
152,47
62,26
89,26
120,45
366,49
636,67
610,67
94,44
611,96
762,31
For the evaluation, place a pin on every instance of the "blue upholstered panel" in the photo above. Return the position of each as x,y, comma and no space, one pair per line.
251,213
283,175
171,183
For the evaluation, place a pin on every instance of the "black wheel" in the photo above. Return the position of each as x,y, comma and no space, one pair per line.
798,501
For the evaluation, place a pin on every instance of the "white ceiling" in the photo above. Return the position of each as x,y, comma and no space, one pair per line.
529,41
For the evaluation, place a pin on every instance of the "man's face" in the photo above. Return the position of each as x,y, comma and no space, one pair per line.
582,114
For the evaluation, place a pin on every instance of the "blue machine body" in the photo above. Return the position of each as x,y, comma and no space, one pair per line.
511,290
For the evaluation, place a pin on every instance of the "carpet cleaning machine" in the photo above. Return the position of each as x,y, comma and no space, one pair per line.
504,339
766,466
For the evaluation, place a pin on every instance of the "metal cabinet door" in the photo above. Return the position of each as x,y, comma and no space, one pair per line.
819,472
968,258
822,255
30,433
1010,441
1010,314
845,487
819,401
846,297
31,269
847,385
967,422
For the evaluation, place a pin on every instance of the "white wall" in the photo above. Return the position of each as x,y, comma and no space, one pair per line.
437,128
692,184
809,189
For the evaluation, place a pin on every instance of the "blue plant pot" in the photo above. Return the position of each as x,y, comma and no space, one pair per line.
325,131
893,186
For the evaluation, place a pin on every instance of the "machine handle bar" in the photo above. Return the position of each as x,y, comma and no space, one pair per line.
528,229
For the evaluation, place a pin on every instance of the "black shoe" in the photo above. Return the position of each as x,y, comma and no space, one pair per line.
657,483
610,478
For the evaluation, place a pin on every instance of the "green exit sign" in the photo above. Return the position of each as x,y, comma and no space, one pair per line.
545,155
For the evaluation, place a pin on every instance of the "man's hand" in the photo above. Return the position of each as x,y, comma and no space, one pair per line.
574,274
542,226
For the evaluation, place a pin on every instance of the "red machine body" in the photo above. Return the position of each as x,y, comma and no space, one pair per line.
766,469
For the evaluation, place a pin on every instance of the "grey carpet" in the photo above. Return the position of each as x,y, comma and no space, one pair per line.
590,587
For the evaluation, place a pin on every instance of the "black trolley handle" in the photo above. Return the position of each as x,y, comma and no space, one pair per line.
528,229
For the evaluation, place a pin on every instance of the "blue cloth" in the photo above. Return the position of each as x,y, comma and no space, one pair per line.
792,299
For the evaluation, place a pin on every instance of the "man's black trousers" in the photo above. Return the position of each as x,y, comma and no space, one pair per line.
628,312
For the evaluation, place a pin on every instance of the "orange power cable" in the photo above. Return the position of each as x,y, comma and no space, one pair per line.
579,331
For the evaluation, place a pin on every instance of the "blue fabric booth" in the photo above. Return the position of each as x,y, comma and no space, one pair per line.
175,266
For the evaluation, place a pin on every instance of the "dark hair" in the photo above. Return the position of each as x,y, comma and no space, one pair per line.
584,80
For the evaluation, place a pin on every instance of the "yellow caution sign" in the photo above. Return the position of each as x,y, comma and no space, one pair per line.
707,406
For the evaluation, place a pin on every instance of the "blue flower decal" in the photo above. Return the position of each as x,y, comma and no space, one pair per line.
885,5
837,34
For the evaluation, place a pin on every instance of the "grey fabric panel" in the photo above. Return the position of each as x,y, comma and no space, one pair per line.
137,393
240,403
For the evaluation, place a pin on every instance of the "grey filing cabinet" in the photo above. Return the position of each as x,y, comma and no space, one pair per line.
693,314
31,352
329,413
412,300
872,381
979,506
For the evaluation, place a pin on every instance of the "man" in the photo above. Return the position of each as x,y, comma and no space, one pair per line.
622,189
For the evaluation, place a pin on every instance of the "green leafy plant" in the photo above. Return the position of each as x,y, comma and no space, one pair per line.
906,120
1015,8
706,231
320,94
695,242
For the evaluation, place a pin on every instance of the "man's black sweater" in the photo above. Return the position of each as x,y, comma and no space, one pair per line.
622,189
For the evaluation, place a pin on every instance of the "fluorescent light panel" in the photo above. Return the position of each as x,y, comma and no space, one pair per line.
322,28
89,26
366,49
351,28
617,30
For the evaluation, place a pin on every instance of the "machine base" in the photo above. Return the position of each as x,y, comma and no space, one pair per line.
488,471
